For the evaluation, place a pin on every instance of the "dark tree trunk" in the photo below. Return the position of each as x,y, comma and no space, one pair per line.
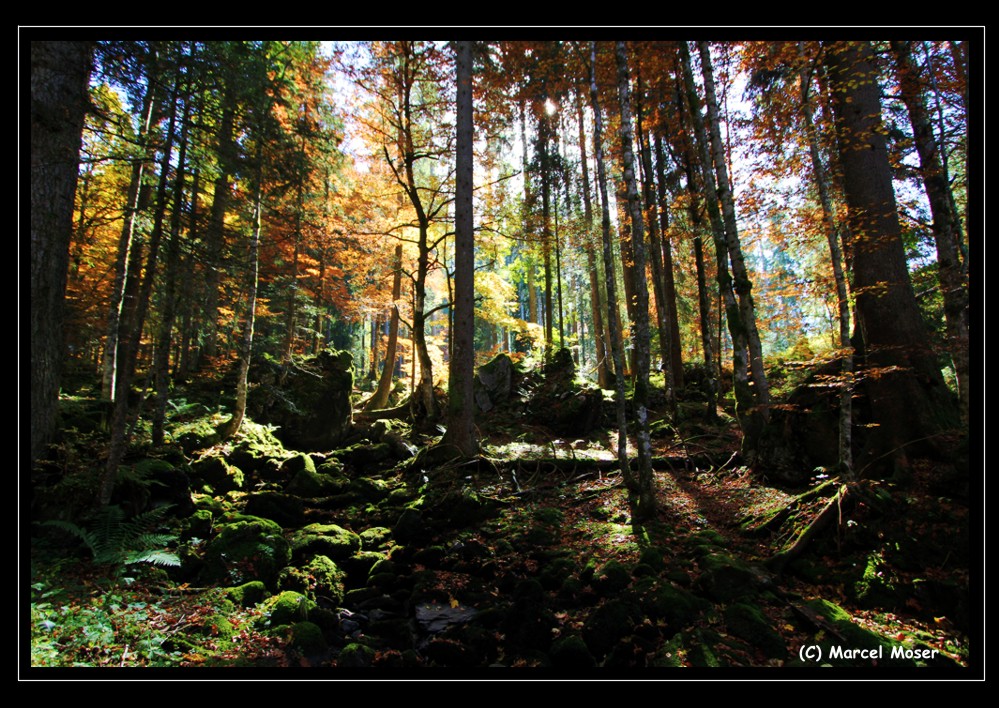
909,400
59,75
460,433
946,226
646,506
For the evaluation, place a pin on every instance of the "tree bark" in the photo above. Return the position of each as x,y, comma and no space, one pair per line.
909,400
946,226
460,433
646,506
60,72
617,348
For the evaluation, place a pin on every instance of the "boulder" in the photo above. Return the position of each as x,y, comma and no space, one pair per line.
493,382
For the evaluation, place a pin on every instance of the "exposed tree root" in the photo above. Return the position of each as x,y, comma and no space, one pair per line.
832,510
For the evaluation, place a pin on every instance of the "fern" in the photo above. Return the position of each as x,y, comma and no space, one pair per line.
115,540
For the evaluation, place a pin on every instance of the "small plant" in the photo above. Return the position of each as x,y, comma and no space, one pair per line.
115,540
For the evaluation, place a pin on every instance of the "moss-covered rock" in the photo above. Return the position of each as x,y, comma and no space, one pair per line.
356,656
247,594
244,550
608,624
725,578
847,634
284,509
313,483
678,607
410,526
748,622
876,587
375,538
320,577
257,451
368,489
308,638
359,565
287,607
217,474
611,578
571,653
329,540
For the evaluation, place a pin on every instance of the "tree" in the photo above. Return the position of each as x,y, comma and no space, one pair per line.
910,402
461,404
60,72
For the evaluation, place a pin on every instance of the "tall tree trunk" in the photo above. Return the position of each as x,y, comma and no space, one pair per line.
215,236
909,400
743,284
231,426
617,347
646,507
125,246
750,421
60,72
379,399
599,340
136,305
655,259
669,282
161,363
946,226
842,294
460,433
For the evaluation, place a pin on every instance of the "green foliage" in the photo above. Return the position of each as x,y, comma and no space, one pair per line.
115,540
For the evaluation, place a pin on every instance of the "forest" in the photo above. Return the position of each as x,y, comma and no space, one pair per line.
343,357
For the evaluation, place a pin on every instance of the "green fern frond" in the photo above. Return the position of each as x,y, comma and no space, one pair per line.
155,556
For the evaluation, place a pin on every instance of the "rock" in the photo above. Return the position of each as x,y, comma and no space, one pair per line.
493,382
375,538
246,549
247,594
747,622
320,577
326,539
308,638
312,484
311,407
608,624
356,656
726,578
409,526
281,508
217,473
611,578
571,653
287,607
678,607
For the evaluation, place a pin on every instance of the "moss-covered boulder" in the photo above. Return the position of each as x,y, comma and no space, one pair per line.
611,578
410,526
725,578
307,637
309,401
285,509
313,483
571,653
356,656
320,577
608,624
839,630
257,451
329,540
748,622
217,474
876,586
247,594
678,607
246,549
375,538
493,382
287,607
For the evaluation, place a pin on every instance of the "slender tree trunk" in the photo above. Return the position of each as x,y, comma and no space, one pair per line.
231,426
460,432
60,72
603,376
617,347
646,494
655,259
125,246
669,282
743,285
379,399
136,306
161,363
842,294
750,422
946,226
215,236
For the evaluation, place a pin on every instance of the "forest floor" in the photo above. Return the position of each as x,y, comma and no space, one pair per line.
529,557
